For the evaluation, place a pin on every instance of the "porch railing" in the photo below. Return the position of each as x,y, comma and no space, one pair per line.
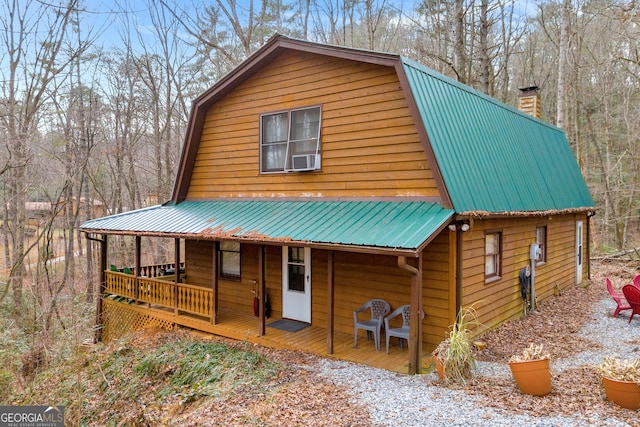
157,270
195,299
121,284
156,291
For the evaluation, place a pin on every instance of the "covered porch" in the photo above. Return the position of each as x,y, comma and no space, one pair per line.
156,297
359,251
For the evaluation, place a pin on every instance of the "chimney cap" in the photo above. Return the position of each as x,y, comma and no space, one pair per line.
527,90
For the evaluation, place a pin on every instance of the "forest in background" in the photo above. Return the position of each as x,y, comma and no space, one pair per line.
94,105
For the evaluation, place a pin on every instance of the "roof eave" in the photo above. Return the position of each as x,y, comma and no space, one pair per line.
374,250
480,214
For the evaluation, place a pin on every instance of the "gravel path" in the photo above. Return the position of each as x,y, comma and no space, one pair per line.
402,400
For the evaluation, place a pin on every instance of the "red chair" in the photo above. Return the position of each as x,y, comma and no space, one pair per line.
632,295
618,298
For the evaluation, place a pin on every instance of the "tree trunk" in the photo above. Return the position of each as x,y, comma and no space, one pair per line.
563,63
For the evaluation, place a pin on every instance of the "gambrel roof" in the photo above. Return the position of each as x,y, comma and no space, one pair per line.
486,157
492,157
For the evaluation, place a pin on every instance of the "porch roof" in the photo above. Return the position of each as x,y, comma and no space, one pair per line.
381,226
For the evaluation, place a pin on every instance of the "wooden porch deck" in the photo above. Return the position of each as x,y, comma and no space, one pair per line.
312,339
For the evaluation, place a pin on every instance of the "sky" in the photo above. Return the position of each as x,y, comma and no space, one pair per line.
108,17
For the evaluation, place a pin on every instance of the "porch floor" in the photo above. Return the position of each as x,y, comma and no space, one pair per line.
312,339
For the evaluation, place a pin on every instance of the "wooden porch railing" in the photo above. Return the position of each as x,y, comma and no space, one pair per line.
195,299
161,292
156,291
156,270
120,284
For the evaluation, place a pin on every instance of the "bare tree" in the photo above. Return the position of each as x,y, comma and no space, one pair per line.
563,62
33,35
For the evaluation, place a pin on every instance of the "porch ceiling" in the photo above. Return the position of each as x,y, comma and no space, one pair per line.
386,225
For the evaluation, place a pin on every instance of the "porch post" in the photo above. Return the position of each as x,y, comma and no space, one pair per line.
261,291
102,287
177,276
330,302
136,270
214,284
415,322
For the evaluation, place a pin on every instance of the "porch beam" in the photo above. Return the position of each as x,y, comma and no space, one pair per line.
261,291
415,322
214,284
330,302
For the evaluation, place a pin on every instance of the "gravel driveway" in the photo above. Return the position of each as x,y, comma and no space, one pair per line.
395,399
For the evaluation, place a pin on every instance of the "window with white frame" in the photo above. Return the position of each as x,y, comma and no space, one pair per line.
492,255
541,240
290,140
229,254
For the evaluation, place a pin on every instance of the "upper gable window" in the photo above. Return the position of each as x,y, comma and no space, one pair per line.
290,140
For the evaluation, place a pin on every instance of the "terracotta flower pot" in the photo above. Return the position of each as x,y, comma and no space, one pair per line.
532,376
439,367
623,393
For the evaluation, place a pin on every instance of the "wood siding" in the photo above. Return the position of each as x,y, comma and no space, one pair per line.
438,289
500,300
369,144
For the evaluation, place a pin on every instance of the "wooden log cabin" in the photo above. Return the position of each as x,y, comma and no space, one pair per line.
320,177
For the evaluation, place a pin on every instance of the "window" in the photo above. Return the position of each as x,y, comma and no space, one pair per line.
230,260
296,267
290,140
541,240
492,255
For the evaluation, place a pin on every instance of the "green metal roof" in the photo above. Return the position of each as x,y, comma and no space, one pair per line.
493,157
378,224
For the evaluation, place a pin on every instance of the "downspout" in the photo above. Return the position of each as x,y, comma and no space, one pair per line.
459,249
415,323
589,215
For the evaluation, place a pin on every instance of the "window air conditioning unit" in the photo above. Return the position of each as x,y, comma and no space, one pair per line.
303,162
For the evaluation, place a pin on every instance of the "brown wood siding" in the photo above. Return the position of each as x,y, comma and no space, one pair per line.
361,278
500,300
233,294
370,146
438,280
357,279
198,262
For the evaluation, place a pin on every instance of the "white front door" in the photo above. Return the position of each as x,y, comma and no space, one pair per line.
296,283
579,238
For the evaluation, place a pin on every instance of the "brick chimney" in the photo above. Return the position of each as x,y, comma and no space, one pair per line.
529,101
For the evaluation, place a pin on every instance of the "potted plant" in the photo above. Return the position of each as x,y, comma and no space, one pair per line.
530,370
454,357
621,379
